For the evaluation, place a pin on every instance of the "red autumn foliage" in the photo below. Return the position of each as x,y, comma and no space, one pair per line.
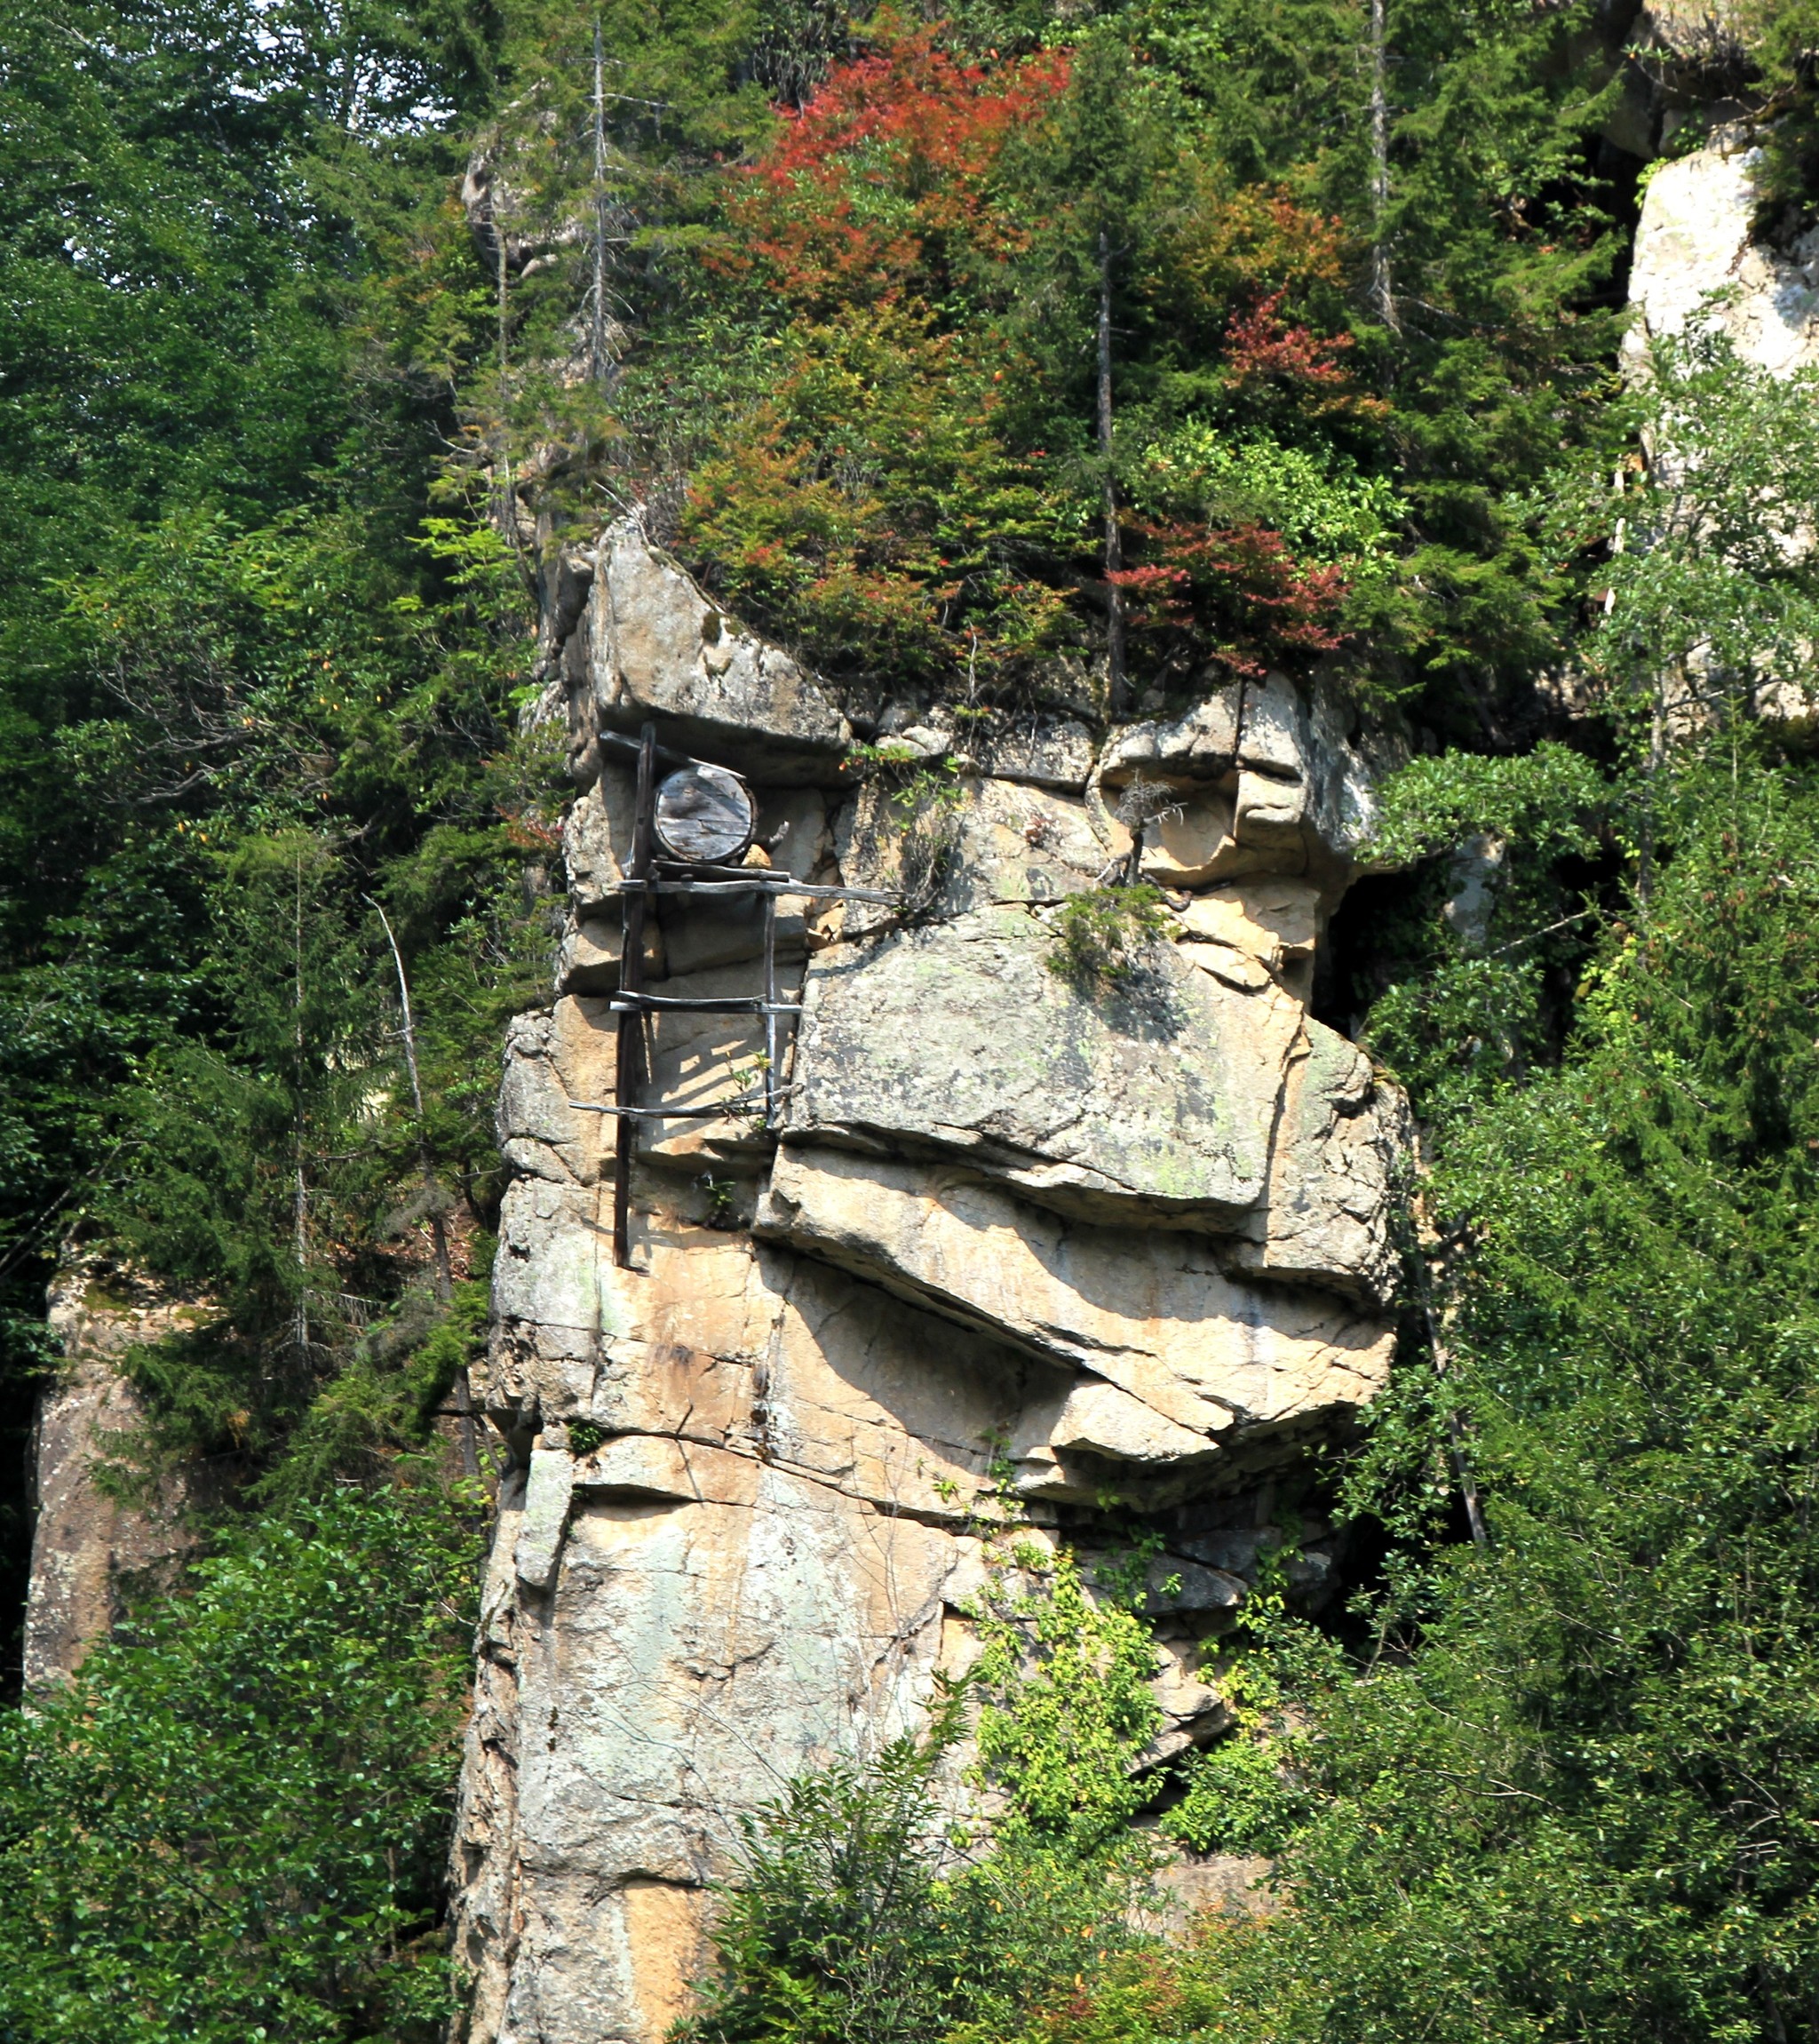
1266,357
1257,344
877,505
884,170
1237,587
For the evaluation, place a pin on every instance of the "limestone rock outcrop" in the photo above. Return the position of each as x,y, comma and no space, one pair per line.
1269,780
659,647
1020,1248
1696,237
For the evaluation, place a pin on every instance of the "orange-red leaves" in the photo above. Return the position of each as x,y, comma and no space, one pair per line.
888,166
1237,587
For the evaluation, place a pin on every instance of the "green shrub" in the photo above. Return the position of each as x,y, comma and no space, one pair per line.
1100,936
1068,1707
232,1824
863,1914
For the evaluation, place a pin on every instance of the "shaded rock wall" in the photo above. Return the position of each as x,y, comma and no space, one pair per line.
1019,1246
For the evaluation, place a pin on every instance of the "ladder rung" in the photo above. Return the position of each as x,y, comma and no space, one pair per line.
738,1104
762,882
675,1003
718,1113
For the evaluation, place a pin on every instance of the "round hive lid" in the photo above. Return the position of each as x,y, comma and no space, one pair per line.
705,815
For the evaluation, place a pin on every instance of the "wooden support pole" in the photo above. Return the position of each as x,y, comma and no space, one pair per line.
761,884
707,1005
629,1064
770,1011
1114,541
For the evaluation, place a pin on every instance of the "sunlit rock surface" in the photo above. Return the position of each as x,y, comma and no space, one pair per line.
1023,1244
1696,238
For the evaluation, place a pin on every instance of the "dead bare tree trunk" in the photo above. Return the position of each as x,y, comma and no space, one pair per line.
1115,684
432,1192
600,363
1382,284
508,490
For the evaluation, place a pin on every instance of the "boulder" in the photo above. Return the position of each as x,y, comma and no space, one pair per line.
988,842
597,837
1694,238
1271,776
1192,1885
1048,752
660,649
1201,745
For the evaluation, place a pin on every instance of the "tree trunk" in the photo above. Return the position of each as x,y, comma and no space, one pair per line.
1382,288
600,361
439,1229
1115,684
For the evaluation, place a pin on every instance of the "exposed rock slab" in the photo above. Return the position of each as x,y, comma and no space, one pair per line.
1004,842
663,650
1159,1098
1271,776
754,1572
90,1549
1150,1311
685,1659
597,837
1340,1142
1275,920
1694,238
1049,751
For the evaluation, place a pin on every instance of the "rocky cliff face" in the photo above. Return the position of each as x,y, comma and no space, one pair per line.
1017,1245
1020,1244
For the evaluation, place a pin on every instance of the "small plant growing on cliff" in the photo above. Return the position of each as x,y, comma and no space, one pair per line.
1065,1675
926,799
1100,936
748,1106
